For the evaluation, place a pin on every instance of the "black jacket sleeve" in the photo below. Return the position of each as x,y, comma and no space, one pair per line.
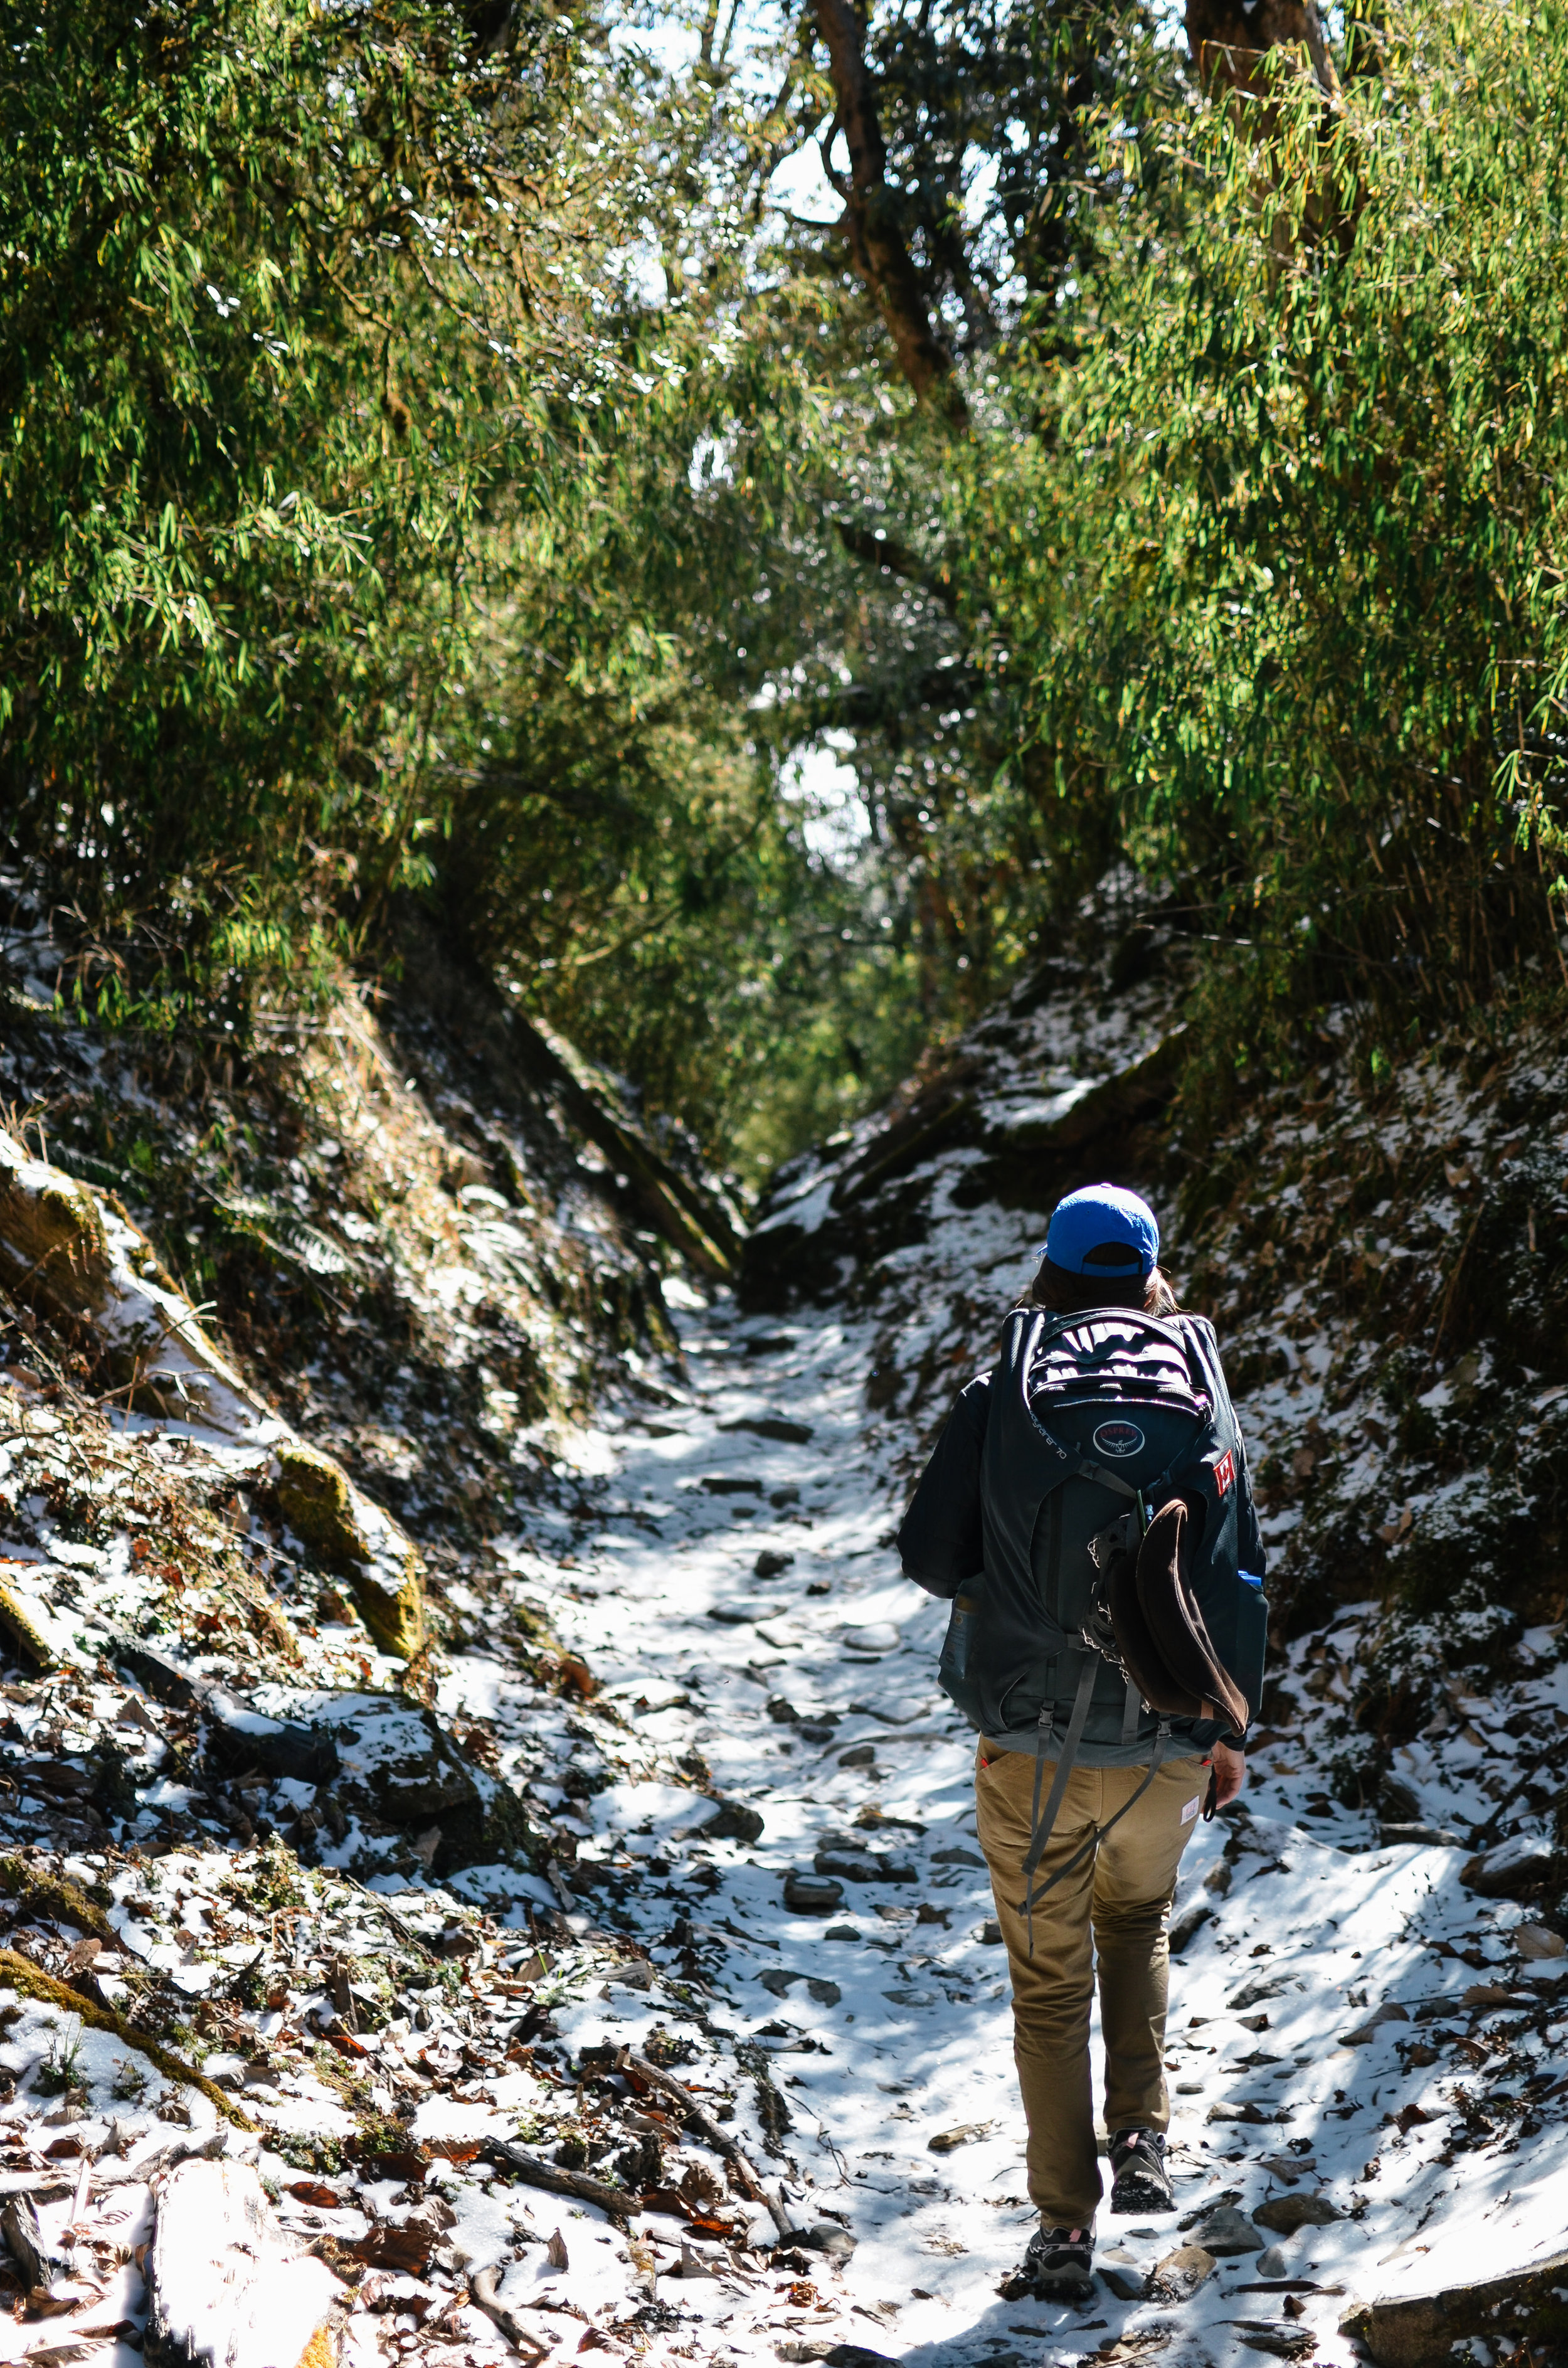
939,1542
1249,1538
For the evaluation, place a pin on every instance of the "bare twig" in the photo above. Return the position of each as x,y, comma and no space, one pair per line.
717,2137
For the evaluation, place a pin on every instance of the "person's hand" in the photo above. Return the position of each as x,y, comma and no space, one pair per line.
1230,1773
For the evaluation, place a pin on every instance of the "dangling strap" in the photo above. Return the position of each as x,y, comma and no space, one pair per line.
1027,1907
1130,1711
1042,1827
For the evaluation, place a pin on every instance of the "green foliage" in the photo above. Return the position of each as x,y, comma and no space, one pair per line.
1279,563
61,2068
432,464
322,2156
283,339
346,474
130,2080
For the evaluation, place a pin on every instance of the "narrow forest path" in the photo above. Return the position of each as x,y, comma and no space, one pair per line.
734,1589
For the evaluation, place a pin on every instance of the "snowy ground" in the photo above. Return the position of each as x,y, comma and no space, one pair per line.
1360,2043
1348,2023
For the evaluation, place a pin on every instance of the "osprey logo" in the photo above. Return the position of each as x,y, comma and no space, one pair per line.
1119,1438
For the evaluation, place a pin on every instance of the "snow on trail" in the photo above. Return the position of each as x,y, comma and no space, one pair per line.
742,1602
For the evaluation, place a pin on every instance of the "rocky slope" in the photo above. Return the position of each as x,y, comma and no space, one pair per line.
603,1958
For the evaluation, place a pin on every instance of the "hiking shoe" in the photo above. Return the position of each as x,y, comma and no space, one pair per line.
1059,2266
1140,2182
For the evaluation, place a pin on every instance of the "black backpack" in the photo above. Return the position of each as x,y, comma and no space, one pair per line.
1095,1423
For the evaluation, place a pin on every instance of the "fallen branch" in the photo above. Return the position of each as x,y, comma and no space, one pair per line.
482,2295
717,2137
615,2200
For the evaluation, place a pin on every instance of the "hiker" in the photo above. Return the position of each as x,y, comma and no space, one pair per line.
1087,1508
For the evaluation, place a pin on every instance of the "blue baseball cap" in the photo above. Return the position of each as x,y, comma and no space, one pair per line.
1105,1231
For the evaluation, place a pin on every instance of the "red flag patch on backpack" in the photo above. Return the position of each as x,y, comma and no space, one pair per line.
1225,1472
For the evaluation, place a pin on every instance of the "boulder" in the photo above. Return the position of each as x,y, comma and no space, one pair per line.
734,1822
397,1767
239,1739
1423,2330
54,1250
1515,1869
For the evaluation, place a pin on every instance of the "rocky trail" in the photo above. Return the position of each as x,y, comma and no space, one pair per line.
572,1936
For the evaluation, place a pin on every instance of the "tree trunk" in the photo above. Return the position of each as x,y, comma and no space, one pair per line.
876,240
1227,39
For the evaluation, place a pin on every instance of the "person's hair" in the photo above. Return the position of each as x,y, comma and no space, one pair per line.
1069,1294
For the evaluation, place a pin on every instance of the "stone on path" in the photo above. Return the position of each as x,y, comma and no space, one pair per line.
806,1895
1227,2232
222,2289
1276,2337
1285,2214
1121,2274
1179,2275
1365,2033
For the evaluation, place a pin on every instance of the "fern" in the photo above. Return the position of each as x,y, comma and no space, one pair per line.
285,1233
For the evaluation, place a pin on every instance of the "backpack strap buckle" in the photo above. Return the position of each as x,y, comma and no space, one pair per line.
1118,1537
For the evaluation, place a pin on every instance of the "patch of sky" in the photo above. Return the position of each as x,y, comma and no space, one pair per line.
710,463
818,779
800,186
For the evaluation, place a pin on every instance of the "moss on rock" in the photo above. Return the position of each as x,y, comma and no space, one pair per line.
51,1235
324,1508
20,1625
316,1499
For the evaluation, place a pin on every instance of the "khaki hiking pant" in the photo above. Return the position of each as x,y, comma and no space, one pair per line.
1122,1893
